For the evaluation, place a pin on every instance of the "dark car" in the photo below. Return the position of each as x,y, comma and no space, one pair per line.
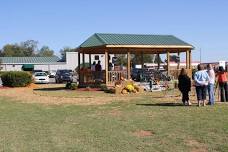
142,75
135,73
64,76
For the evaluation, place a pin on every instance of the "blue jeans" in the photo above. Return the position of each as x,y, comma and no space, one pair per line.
211,94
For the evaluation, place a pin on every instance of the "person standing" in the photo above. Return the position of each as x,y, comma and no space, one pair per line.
201,79
211,74
222,80
98,69
93,69
184,85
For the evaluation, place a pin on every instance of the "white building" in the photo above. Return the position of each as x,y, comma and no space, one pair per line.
45,63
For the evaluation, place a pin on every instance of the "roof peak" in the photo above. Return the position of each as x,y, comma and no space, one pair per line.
101,39
134,34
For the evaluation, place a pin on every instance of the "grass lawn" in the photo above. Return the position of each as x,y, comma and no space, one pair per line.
138,125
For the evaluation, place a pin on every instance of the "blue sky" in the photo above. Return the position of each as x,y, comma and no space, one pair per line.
59,23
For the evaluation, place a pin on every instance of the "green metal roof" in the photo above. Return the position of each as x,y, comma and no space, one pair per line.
101,39
29,60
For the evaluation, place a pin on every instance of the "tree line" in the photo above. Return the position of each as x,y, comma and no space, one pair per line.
30,48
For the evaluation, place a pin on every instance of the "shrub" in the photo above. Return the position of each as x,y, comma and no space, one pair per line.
103,87
68,84
72,86
110,90
1,72
16,79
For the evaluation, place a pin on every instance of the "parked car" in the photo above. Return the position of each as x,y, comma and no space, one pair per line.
34,71
64,76
40,77
144,74
52,74
135,73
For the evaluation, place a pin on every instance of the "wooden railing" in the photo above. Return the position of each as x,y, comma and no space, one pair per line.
88,77
114,76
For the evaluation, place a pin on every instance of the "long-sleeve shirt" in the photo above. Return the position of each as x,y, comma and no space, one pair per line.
184,84
201,78
211,74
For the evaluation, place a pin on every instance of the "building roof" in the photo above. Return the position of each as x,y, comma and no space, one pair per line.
28,60
101,39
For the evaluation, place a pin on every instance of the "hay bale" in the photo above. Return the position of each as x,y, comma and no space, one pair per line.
118,89
124,91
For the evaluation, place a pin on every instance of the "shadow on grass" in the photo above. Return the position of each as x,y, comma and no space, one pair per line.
166,96
161,104
50,89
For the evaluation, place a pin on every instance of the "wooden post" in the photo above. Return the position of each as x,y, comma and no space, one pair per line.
106,67
83,59
90,60
158,60
178,64
187,59
79,67
142,60
190,59
128,65
168,62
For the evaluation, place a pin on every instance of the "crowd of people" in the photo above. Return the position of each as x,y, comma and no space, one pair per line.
205,82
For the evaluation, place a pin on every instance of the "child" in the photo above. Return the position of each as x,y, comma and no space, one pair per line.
184,86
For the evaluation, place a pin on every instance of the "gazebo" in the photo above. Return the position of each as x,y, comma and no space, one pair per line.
128,44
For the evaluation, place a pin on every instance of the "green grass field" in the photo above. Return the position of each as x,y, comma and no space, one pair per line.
137,125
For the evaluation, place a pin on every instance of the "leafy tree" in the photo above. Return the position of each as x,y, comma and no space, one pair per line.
29,46
121,59
26,48
158,60
45,51
1,53
174,58
12,50
147,58
63,52
135,59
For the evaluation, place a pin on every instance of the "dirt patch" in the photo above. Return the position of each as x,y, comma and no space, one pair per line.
2,87
143,133
89,89
27,95
196,146
33,86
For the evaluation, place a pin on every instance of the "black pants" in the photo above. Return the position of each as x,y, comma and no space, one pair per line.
223,91
185,96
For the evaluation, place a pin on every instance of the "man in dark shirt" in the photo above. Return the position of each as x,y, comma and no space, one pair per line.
98,70
98,66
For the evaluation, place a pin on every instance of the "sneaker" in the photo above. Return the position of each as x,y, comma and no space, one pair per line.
189,103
